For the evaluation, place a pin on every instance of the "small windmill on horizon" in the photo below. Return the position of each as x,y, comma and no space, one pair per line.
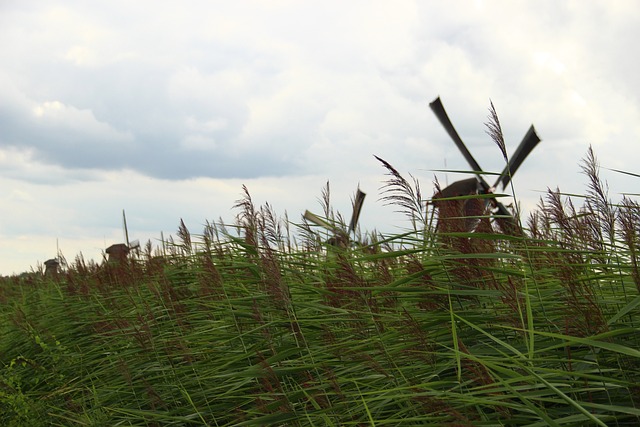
118,252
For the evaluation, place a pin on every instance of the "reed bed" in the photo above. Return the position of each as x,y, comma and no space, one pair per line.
261,322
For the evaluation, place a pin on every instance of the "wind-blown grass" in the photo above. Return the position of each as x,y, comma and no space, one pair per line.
254,324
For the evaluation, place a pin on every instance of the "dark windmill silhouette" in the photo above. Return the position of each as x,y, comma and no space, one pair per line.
474,207
119,252
340,237
51,267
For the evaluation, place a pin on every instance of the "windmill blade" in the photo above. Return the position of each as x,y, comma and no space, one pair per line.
441,114
315,219
124,226
339,238
357,207
528,143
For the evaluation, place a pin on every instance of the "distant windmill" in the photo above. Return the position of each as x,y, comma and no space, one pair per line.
340,237
478,185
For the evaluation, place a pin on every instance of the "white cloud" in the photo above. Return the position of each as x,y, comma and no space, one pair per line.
548,61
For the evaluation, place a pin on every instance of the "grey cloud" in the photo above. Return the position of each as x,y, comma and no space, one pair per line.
140,121
186,105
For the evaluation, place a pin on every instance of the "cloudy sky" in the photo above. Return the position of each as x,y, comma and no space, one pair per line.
166,108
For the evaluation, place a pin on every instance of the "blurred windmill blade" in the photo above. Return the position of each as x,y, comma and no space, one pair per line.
315,219
124,227
441,114
528,143
134,248
357,207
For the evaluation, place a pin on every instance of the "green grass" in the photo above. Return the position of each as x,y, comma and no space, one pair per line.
261,323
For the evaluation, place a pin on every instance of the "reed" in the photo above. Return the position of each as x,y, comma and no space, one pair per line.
260,322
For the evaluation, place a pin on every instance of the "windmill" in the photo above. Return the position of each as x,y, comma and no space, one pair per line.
119,252
478,185
340,237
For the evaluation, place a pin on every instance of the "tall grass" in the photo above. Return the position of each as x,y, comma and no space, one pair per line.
251,323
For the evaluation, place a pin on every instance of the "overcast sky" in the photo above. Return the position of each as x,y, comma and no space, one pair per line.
165,109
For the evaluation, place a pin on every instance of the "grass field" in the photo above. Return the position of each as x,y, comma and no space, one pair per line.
260,322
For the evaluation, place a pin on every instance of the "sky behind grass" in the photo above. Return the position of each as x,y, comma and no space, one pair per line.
165,109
